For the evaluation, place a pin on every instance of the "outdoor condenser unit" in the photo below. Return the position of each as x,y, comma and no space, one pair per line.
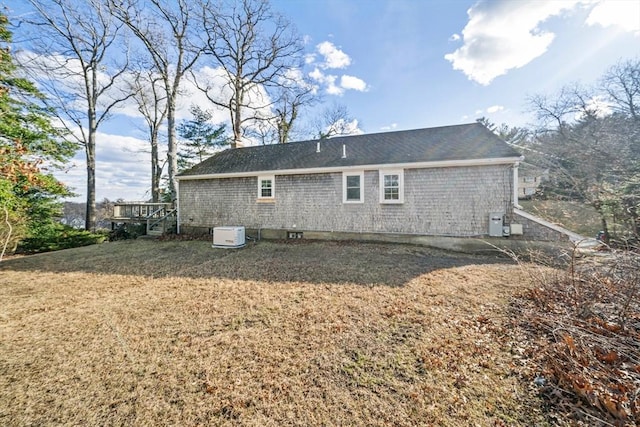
228,237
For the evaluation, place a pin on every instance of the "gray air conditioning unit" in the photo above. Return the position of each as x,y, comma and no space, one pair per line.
228,237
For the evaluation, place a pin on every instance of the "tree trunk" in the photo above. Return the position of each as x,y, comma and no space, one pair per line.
237,132
172,146
90,150
236,113
156,172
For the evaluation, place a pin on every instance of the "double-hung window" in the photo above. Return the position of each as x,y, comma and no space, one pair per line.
392,186
266,187
352,187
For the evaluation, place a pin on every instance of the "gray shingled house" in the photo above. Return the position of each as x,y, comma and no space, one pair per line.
443,181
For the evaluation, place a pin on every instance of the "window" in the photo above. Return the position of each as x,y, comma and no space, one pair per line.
392,186
352,187
266,187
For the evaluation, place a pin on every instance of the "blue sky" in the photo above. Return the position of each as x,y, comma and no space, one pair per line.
406,64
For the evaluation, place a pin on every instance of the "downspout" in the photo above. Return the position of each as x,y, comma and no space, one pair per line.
515,184
177,206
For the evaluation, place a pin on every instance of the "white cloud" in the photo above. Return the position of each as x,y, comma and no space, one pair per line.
333,57
392,126
624,14
346,82
328,80
454,37
351,82
317,75
495,109
352,128
344,127
503,35
331,87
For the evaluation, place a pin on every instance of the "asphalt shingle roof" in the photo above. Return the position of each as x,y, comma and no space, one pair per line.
459,142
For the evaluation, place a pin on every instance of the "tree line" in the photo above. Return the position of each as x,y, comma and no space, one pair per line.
82,60
91,57
588,138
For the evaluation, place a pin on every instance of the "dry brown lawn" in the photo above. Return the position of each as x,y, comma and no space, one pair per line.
275,334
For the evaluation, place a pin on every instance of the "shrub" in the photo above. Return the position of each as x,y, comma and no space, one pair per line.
127,231
582,326
56,237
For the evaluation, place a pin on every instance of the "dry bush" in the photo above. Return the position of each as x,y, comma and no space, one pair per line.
582,327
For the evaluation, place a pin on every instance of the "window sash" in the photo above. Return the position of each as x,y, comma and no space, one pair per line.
392,186
266,187
352,187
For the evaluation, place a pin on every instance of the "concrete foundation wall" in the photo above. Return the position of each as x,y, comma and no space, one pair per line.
534,231
473,245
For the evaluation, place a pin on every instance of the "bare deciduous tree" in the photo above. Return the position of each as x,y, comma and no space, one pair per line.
256,49
622,84
591,150
288,106
335,121
151,98
166,29
71,58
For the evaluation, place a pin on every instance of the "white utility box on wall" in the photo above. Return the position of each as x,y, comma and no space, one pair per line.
228,237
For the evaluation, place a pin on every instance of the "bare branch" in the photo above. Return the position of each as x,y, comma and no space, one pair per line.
72,61
256,49
165,30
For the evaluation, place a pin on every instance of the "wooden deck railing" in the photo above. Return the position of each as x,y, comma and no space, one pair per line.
140,210
159,218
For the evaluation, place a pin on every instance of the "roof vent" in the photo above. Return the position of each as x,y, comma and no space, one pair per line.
318,148
344,151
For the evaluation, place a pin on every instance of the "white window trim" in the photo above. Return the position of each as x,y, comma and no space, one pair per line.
273,186
400,173
344,186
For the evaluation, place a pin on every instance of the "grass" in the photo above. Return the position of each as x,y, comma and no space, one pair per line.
276,334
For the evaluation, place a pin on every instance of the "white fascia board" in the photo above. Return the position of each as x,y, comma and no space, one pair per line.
414,165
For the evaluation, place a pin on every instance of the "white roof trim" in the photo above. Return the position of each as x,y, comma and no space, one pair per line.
413,165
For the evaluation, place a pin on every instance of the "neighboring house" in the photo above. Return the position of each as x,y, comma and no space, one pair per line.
529,180
443,181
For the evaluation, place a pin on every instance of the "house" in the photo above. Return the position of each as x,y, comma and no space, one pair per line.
455,181
530,178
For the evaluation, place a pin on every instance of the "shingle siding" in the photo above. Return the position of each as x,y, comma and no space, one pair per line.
452,201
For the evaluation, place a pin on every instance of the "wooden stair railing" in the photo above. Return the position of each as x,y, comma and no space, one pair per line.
153,220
